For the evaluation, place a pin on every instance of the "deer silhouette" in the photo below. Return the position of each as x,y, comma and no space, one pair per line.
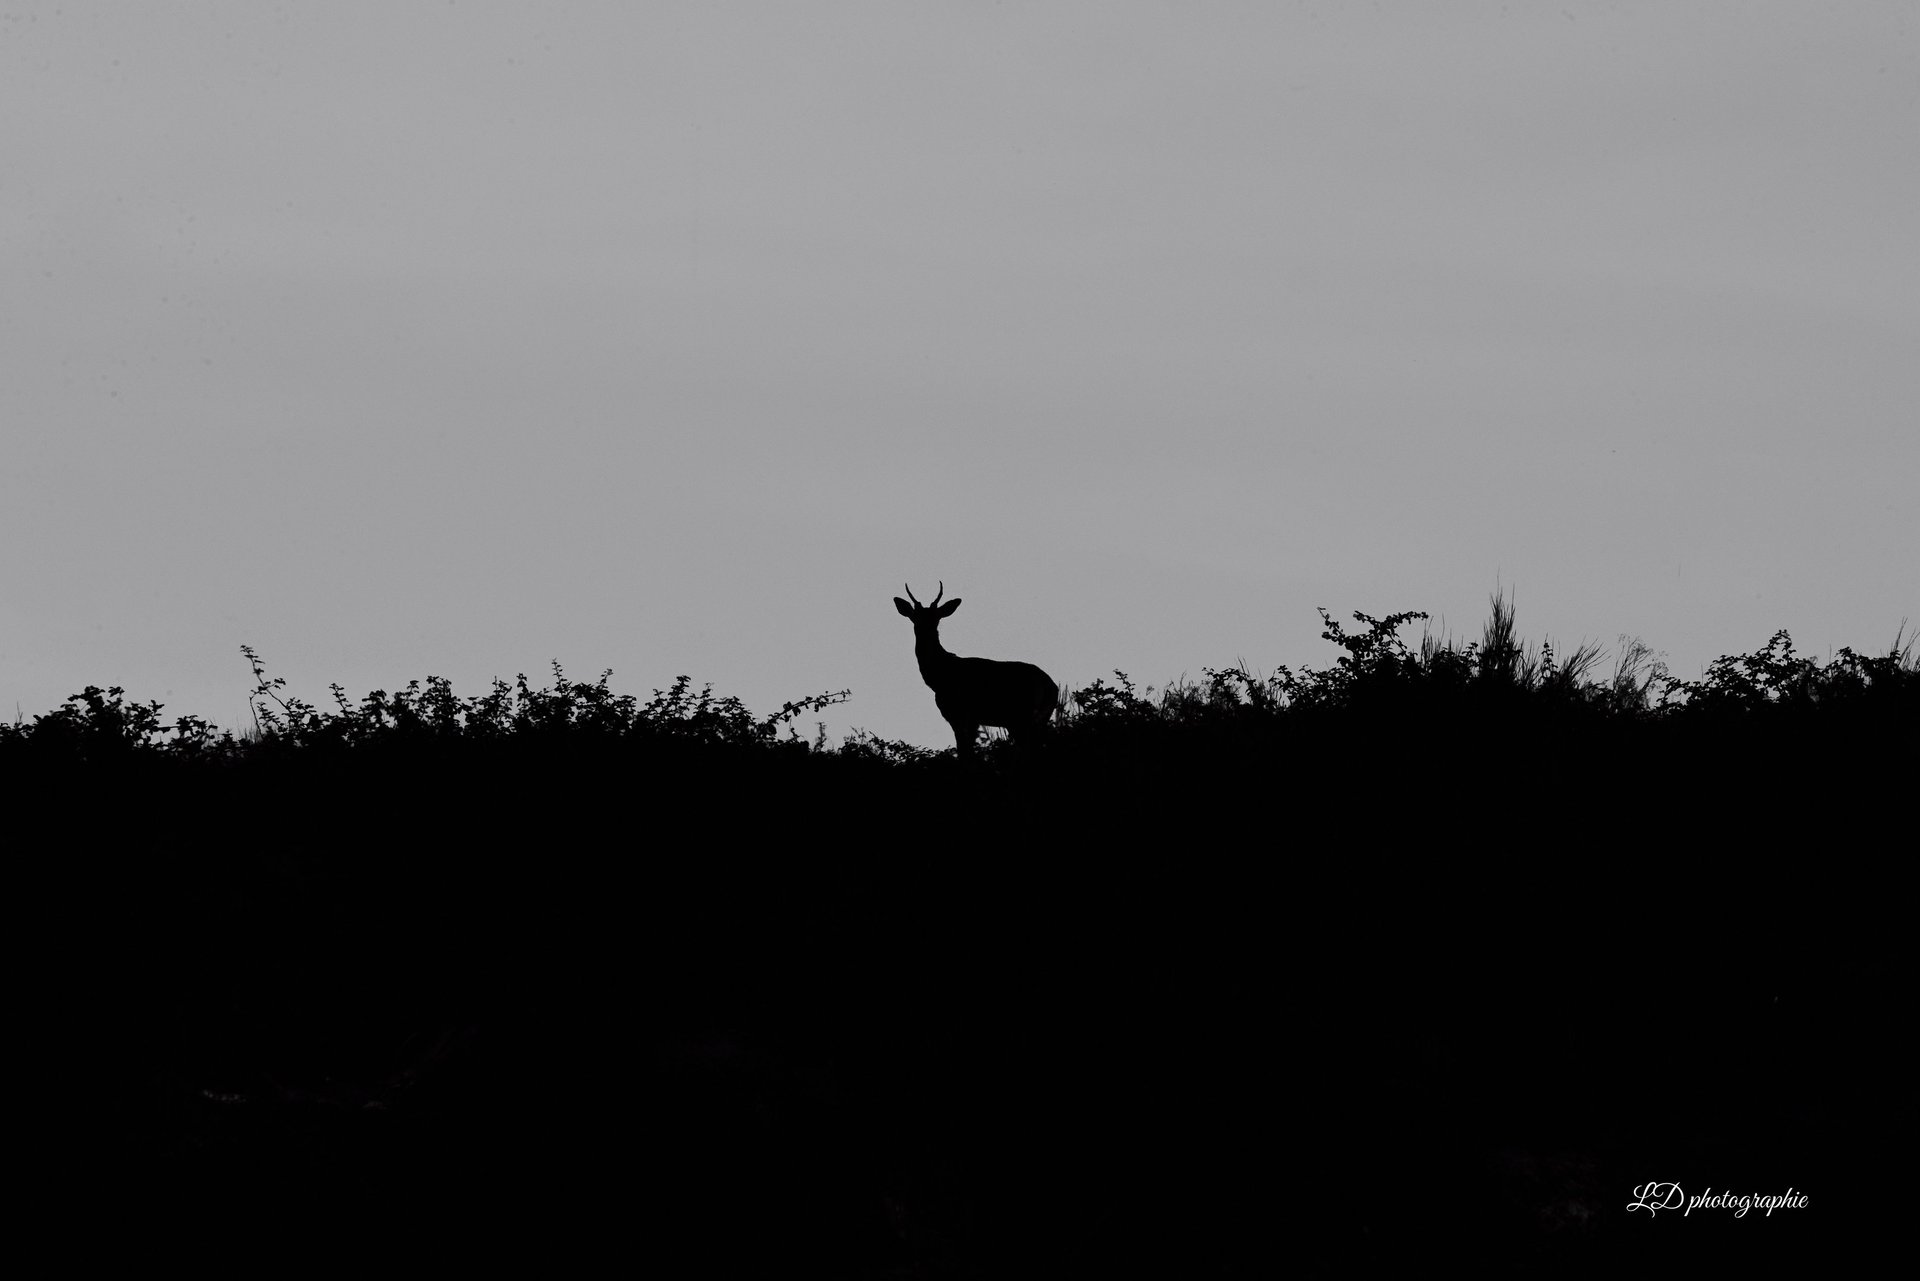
971,692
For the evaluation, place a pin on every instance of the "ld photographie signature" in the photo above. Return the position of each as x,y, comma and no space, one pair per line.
1655,1197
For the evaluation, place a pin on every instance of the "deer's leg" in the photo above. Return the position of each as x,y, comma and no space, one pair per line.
965,737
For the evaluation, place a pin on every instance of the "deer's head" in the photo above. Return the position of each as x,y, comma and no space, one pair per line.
925,618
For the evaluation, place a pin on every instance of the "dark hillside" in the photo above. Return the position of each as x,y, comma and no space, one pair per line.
1432,954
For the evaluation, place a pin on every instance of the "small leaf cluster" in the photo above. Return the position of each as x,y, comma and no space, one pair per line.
1776,681
99,726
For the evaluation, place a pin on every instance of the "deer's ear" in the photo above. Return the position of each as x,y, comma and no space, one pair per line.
903,607
949,607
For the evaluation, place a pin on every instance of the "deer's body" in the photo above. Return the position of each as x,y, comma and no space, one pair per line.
971,692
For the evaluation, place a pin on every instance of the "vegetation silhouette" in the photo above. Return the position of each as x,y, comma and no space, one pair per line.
972,692
1434,952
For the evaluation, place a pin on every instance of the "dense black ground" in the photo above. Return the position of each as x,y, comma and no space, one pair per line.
1347,994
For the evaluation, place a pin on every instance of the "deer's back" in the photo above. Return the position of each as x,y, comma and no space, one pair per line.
989,692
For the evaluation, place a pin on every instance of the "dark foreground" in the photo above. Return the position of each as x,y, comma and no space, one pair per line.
1355,1005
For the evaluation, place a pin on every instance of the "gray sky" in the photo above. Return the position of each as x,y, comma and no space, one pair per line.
397,339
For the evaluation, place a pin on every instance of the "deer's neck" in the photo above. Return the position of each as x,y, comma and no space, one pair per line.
935,661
